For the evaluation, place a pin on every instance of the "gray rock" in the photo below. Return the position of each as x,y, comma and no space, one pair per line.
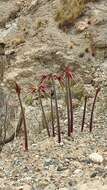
96,158
61,168
78,172
94,174
48,162
8,11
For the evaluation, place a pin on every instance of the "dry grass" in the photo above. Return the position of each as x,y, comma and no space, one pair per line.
69,11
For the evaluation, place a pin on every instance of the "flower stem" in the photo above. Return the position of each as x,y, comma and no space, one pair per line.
52,117
44,116
57,112
84,113
24,122
93,106
68,109
71,109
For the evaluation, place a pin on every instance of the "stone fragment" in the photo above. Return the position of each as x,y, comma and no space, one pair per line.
78,172
96,158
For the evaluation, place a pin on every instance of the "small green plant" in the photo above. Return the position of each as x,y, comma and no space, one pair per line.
68,12
29,100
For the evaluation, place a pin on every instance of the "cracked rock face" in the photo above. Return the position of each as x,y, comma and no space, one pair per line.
8,113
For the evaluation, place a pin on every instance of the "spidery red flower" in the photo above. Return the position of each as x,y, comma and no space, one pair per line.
69,73
43,88
44,78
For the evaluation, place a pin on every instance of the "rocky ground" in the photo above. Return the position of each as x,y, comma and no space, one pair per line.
34,46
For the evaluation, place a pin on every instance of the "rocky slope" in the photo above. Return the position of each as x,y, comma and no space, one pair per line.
35,45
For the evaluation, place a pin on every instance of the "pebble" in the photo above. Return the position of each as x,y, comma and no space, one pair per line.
61,144
96,158
48,162
94,174
60,168
78,172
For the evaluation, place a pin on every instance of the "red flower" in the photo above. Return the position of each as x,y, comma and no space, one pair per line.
60,78
69,73
43,88
44,78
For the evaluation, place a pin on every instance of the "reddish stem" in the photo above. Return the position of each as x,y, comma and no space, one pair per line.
57,112
44,116
68,108
24,122
52,117
71,109
84,113
92,111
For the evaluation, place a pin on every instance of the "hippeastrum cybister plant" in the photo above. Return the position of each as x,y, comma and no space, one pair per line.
71,110
84,113
57,111
42,90
48,79
93,106
18,92
51,78
60,79
68,107
52,115
68,78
